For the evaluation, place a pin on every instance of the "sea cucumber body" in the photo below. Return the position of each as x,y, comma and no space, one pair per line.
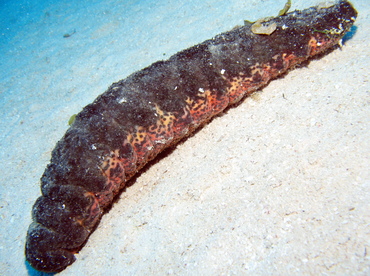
136,118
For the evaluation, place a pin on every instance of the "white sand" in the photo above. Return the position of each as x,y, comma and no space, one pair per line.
278,185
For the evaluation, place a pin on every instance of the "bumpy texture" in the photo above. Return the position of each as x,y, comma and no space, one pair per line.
138,117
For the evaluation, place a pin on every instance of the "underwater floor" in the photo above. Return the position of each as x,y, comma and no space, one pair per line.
279,185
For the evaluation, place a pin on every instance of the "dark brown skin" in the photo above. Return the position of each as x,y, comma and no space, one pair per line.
138,117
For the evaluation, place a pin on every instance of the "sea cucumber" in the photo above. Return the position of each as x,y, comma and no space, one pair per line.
138,117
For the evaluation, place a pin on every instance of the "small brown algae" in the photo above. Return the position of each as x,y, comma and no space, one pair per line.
263,26
286,8
72,119
69,34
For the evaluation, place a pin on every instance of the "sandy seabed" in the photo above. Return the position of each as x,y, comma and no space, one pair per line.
279,185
